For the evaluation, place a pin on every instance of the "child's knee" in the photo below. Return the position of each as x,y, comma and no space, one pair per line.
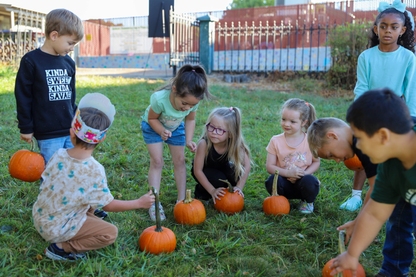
310,179
269,184
111,235
179,160
157,163
310,184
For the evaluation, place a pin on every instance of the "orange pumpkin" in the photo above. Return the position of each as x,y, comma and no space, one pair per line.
26,165
231,202
157,239
189,211
276,204
346,273
353,163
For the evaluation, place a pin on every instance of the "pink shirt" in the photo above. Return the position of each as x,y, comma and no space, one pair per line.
287,156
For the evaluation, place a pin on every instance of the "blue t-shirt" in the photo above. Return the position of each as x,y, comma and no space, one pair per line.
395,70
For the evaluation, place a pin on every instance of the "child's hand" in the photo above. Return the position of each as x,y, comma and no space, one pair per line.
239,191
191,146
296,173
349,228
26,137
166,134
344,261
147,200
217,193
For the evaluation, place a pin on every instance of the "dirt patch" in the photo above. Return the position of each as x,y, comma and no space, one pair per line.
284,82
279,81
255,82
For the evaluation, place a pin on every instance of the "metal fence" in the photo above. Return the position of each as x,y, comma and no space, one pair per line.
272,47
184,40
258,39
13,45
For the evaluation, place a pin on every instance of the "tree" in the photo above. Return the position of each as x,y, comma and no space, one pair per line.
243,4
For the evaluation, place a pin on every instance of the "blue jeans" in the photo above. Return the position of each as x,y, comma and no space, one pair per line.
49,146
398,245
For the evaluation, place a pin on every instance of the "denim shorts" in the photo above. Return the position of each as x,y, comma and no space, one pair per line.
48,147
150,136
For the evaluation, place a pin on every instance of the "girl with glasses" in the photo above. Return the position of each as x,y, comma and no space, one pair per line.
221,154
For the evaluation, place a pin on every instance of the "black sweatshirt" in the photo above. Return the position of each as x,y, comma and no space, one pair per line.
45,94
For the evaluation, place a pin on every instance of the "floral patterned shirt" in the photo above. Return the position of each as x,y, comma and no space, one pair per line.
70,187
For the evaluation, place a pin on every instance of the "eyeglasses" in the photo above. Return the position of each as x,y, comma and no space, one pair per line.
217,131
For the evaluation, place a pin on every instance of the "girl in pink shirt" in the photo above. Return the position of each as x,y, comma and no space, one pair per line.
289,153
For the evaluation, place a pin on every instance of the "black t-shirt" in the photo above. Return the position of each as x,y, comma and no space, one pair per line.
369,168
45,94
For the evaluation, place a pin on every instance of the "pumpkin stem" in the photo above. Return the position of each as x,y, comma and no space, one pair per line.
341,245
158,224
274,186
341,241
32,145
188,197
230,187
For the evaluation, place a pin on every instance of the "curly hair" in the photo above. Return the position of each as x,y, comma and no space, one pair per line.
407,40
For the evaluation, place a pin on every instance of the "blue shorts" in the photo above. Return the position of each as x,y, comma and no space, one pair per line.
150,136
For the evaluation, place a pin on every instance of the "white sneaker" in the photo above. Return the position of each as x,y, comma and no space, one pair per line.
152,212
352,204
306,208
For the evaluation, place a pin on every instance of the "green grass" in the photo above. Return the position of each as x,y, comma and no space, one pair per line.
245,244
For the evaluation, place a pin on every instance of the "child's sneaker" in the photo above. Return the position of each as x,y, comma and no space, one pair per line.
352,204
57,254
306,208
152,212
100,213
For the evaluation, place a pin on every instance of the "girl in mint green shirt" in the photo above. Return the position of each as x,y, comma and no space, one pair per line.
170,118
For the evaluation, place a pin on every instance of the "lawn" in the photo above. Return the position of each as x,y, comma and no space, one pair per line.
245,244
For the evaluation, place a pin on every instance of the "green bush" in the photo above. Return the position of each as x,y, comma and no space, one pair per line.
7,71
346,42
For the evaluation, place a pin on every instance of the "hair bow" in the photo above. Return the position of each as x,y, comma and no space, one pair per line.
397,4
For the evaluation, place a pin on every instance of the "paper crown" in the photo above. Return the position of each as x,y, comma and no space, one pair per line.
99,102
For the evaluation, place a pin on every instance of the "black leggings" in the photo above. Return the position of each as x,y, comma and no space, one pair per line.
305,188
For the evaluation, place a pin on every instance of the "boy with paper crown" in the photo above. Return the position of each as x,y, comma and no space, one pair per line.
74,184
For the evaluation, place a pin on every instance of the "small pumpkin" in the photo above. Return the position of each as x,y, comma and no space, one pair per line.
157,239
26,165
276,204
231,202
346,273
189,211
353,163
